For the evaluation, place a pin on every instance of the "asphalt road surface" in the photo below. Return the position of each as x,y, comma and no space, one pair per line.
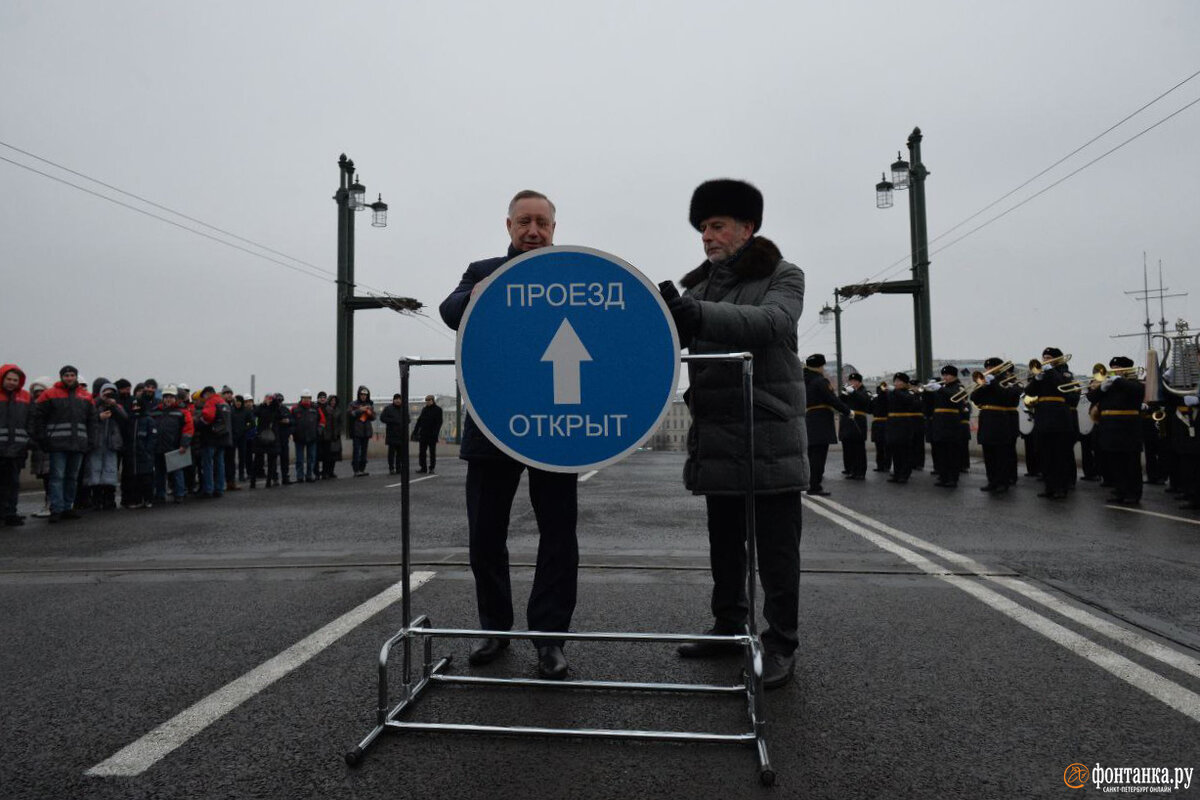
953,644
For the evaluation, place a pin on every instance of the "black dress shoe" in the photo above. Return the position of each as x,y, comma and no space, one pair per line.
818,492
710,649
777,670
487,651
988,488
552,664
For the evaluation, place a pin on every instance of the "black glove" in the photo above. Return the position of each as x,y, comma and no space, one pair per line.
686,313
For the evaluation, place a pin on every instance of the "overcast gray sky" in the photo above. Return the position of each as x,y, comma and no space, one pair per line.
235,113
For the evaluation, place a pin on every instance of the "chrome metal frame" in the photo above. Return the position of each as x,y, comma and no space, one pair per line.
431,672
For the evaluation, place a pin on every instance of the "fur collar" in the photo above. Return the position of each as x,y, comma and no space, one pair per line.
758,261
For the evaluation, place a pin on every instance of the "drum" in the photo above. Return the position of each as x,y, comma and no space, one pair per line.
1085,416
1024,418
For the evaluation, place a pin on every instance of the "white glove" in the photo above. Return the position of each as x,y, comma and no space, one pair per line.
1191,401
988,379
1107,383
933,386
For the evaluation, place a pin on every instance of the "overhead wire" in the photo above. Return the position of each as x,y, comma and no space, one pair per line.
891,268
307,264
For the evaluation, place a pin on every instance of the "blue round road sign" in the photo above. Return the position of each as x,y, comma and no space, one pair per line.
567,358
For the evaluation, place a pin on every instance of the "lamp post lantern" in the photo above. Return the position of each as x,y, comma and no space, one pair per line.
834,314
350,198
908,175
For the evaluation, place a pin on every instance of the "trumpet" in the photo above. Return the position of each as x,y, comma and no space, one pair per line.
1036,366
980,379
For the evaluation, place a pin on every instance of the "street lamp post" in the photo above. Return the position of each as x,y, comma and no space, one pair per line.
909,175
835,313
350,199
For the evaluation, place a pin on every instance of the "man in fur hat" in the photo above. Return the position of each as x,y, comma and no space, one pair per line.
745,297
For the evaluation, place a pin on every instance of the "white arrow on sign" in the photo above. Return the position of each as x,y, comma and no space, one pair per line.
566,352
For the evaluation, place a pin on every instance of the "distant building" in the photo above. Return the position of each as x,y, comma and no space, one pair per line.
672,433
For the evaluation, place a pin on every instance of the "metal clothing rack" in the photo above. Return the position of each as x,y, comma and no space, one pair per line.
432,672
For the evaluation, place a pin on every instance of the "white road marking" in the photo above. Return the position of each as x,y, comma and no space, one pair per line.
1154,514
138,757
587,475
411,482
1166,691
1129,638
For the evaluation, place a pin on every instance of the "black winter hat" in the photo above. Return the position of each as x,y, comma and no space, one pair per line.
992,362
854,376
66,369
1120,362
726,198
950,370
123,383
1052,352
815,360
901,376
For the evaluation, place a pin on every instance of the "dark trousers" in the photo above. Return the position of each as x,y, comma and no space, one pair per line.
1126,474
854,458
1033,454
230,465
1000,463
358,456
431,448
778,528
141,488
917,452
817,454
902,466
395,457
333,452
945,461
271,458
1087,456
491,487
1156,462
243,460
10,485
1058,459
285,458
883,459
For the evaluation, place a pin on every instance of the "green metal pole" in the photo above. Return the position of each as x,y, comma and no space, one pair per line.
917,175
837,336
345,283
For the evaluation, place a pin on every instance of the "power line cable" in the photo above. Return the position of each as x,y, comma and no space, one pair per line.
1013,191
97,181
164,219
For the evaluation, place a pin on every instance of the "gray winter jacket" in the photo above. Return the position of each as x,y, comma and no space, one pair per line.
753,304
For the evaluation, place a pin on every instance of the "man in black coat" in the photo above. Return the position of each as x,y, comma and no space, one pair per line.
818,415
998,429
493,477
945,428
905,422
852,430
426,432
1052,426
879,417
1118,434
395,429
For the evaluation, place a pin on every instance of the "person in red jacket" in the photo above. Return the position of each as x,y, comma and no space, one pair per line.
63,418
14,439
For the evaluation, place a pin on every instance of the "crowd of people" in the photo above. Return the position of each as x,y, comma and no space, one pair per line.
141,445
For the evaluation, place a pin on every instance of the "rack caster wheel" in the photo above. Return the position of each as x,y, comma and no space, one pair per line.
767,777
354,757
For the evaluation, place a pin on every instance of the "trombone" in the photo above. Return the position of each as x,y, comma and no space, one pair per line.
1036,366
980,379
1099,373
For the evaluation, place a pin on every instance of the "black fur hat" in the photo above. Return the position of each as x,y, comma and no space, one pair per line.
992,362
901,376
1120,362
952,371
1052,352
815,360
726,198
854,376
